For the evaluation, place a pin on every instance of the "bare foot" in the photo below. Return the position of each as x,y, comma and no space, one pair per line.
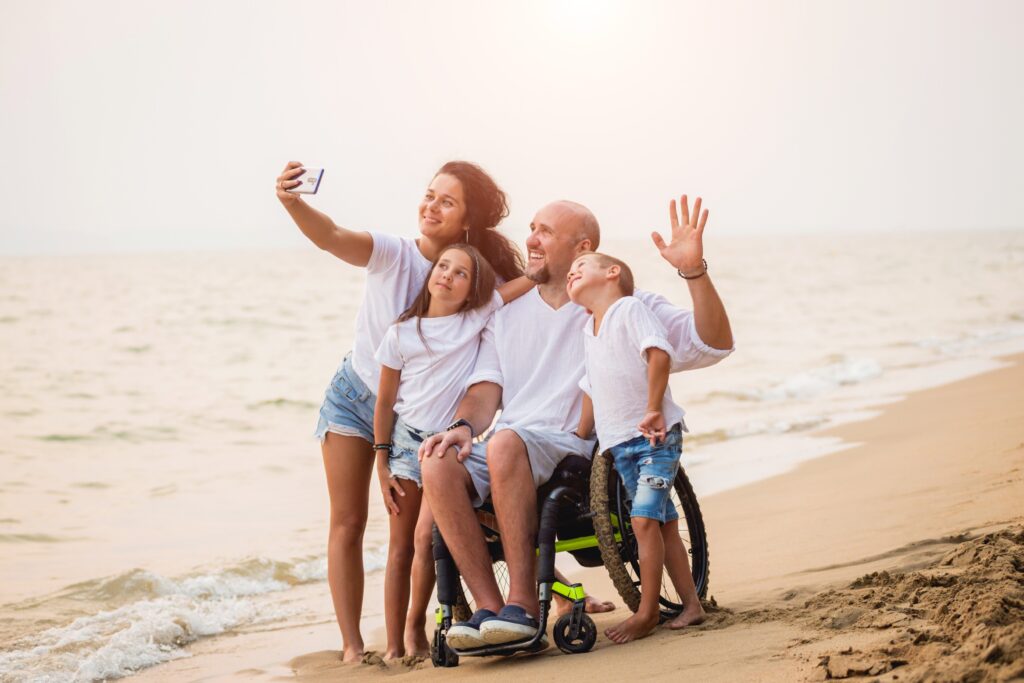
416,642
591,605
691,616
353,654
637,626
594,605
394,653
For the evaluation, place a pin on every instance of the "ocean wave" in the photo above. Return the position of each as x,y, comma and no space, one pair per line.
956,345
811,383
755,428
115,643
140,618
284,403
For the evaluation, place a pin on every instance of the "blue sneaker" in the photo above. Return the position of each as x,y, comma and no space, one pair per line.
511,624
465,635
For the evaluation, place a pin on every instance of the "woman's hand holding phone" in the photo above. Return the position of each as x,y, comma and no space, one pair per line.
287,180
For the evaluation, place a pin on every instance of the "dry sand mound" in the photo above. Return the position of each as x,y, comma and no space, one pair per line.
960,620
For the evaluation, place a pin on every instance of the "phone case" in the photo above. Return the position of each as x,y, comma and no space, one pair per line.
310,181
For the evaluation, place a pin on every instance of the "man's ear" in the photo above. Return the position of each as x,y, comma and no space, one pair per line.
583,246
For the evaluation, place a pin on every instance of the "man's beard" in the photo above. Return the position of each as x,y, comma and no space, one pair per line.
540,276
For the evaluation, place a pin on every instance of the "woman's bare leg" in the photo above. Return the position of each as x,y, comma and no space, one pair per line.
416,642
396,576
348,463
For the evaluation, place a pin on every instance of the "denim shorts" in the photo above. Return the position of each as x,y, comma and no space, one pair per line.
649,473
404,461
348,405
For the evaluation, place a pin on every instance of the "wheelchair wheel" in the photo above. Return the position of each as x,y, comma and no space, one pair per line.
584,640
440,654
611,506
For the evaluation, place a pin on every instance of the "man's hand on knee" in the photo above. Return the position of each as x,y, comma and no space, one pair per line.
438,445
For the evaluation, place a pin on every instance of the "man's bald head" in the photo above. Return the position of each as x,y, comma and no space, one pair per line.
581,219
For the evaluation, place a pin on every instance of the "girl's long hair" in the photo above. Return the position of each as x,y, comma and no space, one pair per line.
481,288
486,207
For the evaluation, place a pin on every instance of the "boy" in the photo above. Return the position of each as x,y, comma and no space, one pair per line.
626,386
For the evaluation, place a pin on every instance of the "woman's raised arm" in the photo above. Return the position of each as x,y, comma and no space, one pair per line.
351,247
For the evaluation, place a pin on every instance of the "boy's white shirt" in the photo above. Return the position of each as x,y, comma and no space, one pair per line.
395,274
616,370
536,354
434,375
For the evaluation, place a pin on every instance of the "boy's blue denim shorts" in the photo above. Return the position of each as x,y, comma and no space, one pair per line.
348,405
404,461
649,473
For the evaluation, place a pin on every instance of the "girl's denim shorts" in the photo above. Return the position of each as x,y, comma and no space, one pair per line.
404,462
348,405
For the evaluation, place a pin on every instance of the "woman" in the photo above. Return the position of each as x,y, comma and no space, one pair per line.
461,204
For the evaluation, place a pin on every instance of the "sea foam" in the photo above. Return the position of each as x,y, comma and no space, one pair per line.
153,618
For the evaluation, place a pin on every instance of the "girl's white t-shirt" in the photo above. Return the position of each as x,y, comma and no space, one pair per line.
394,276
616,370
435,367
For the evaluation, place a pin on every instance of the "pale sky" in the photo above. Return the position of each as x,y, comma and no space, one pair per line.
143,125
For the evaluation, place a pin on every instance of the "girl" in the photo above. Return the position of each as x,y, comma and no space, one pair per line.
462,203
426,358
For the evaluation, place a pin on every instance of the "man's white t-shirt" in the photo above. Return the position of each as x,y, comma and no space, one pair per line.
434,368
536,354
394,276
616,370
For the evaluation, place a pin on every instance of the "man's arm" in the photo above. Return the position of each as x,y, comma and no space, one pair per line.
686,254
478,407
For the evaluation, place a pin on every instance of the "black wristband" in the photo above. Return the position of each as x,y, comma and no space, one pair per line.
382,447
694,277
461,422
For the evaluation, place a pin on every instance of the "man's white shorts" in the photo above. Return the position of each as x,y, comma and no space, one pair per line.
545,450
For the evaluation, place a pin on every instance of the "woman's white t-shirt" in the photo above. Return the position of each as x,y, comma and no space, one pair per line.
616,370
395,274
435,367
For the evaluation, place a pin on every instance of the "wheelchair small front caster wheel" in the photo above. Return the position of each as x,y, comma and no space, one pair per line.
440,654
585,638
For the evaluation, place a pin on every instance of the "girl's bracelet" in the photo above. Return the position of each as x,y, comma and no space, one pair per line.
382,447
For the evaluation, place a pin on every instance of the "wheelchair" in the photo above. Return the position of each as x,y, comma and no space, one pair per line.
584,510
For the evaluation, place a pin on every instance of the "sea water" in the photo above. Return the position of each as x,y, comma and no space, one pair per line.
159,482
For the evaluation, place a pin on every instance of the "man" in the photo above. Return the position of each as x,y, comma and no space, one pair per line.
530,363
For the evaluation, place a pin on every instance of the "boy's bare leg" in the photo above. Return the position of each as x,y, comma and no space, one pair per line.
416,642
651,545
678,567
591,604
396,576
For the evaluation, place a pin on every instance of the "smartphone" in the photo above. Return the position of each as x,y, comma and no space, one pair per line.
310,178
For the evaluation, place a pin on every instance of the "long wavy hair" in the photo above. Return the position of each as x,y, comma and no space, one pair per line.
481,288
486,207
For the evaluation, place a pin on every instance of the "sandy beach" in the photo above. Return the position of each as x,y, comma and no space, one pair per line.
899,558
